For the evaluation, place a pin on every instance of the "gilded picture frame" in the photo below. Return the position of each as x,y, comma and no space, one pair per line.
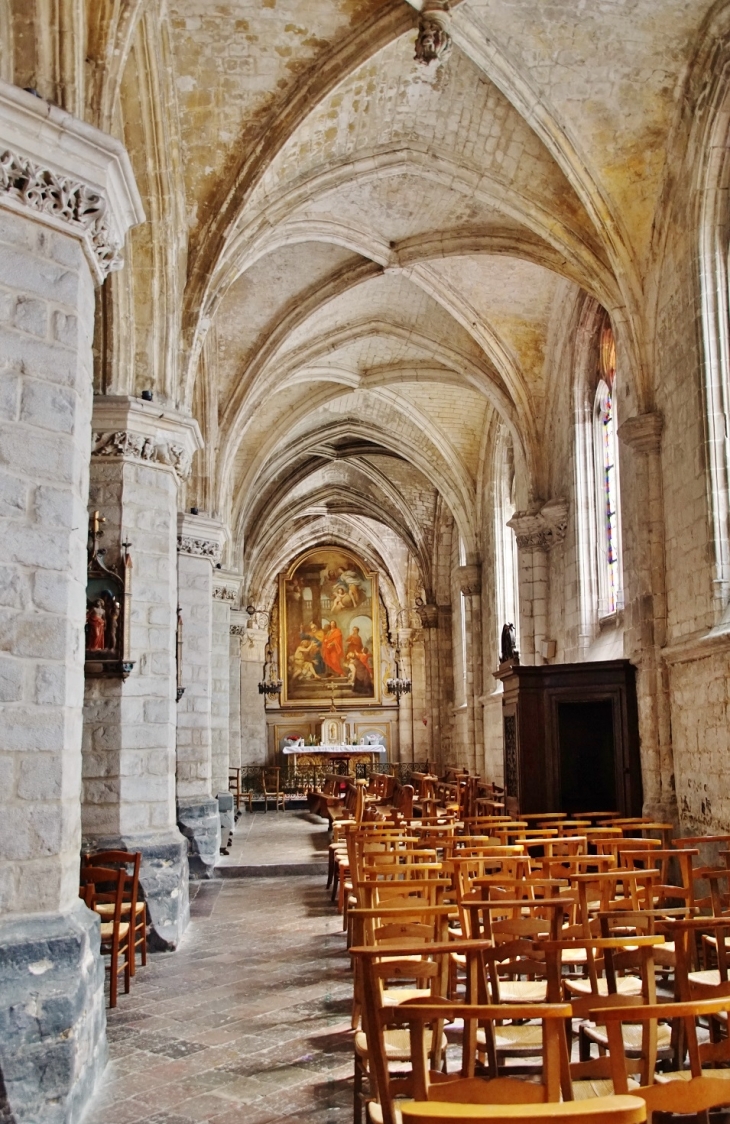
329,630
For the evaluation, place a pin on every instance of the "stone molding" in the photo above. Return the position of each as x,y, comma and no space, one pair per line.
643,432
227,587
469,580
68,175
223,593
542,529
200,536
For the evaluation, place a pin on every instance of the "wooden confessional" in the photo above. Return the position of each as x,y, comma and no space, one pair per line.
571,737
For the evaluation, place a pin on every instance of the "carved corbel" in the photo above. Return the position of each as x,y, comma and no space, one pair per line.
542,529
433,42
643,432
469,579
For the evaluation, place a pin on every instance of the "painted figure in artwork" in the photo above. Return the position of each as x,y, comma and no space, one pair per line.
332,650
96,627
315,635
303,660
359,676
354,641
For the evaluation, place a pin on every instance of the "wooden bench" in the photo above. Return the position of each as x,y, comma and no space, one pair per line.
330,795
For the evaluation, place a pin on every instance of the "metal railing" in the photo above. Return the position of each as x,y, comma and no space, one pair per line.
304,778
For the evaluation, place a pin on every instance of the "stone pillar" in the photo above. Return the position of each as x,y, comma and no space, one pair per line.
225,594
140,452
200,544
67,198
536,533
236,633
645,611
405,707
469,584
253,705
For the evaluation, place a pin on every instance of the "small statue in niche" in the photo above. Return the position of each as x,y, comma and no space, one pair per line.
114,611
96,627
508,648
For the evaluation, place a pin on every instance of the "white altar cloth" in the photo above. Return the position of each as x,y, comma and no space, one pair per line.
338,750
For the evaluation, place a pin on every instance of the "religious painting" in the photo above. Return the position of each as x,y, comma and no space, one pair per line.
329,630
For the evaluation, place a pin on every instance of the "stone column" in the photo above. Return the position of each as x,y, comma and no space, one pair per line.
67,198
405,707
253,705
225,594
236,633
140,453
536,533
469,584
645,611
200,544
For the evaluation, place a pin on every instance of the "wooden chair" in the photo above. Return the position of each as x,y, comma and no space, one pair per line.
101,886
600,1110
691,1092
271,785
134,909
408,961
467,1088
234,787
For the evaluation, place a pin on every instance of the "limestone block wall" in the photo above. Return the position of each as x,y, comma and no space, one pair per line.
237,628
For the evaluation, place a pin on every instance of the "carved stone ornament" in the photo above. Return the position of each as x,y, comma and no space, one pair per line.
223,593
238,630
433,41
135,446
81,206
543,529
200,548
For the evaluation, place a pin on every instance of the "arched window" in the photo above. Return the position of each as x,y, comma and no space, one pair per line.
605,447
506,546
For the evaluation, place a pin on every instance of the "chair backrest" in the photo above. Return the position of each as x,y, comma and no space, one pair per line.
105,885
466,1088
696,1095
120,860
597,1110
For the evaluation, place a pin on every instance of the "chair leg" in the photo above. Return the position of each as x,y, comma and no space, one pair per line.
114,972
144,936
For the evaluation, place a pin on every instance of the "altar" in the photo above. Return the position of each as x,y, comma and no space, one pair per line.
324,757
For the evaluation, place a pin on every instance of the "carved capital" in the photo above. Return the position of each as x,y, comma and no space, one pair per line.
137,446
469,579
433,42
127,428
68,175
643,432
200,548
542,529
238,630
201,536
223,593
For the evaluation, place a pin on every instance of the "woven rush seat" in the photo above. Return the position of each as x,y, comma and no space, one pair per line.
107,930
631,1035
625,985
522,991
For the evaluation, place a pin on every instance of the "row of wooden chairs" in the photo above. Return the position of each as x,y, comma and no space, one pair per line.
545,919
109,885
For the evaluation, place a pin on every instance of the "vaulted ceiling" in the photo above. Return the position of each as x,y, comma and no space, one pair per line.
355,264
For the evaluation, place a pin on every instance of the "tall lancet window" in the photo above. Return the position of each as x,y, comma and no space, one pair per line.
605,443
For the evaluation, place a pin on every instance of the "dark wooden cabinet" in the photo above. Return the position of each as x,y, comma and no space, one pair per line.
571,737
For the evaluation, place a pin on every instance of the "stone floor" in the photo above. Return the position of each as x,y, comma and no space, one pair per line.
273,838
248,1022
